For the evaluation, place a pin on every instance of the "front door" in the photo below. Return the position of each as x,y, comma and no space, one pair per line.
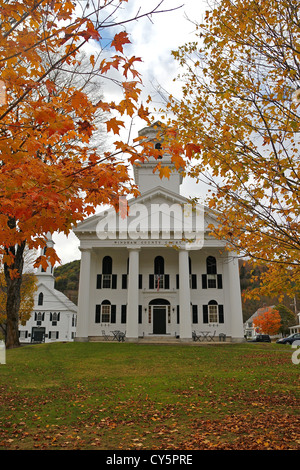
38,335
159,320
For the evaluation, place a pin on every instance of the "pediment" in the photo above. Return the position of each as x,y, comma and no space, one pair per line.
156,210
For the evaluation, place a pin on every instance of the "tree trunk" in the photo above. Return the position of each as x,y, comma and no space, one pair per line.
13,284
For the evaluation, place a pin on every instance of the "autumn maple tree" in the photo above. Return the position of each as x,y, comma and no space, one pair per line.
51,173
238,124
268,322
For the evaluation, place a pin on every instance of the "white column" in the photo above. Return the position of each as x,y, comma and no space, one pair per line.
132,295
185,316
236,313
84,296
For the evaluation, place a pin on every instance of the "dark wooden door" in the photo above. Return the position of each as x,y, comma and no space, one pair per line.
38,335
159,320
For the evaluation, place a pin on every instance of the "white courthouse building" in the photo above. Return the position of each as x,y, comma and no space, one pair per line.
54,315
157,272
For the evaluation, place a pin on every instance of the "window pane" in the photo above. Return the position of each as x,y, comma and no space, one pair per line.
213,313
211,281
105,314
106,281
211,265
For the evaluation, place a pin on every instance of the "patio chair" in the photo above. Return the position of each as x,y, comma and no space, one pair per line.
121,337
212,336
105,335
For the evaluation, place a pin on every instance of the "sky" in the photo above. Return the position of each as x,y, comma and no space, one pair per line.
152,40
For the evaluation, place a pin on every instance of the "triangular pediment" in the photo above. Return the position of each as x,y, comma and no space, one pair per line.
156,210
57,299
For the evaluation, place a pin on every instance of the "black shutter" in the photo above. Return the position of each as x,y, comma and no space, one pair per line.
177,281
221,314
220,283
99,281
195,313
35,316
194,281
178,314
205,313
204,281
167,281
58,316
50,316
140,313
113,314
43,316
140,281
124,281
151,281
114,281
98,311
123,313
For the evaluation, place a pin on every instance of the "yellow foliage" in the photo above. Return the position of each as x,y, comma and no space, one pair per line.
239,106
28,289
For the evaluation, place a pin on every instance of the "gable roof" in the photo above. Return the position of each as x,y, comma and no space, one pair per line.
55,296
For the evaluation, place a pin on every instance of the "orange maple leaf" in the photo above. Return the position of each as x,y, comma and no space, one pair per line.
192,148
165,172
119,40
114,125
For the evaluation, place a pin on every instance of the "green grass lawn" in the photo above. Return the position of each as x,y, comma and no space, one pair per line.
128,396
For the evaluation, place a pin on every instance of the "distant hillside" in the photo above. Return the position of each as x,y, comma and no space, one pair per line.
67,279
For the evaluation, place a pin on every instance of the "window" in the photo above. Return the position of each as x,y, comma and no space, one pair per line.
211,280
213,312
23,335
159,265
211,265
106,280
107,265
41,298
53,334
105,312
54,317
159,280
106,272
39,317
